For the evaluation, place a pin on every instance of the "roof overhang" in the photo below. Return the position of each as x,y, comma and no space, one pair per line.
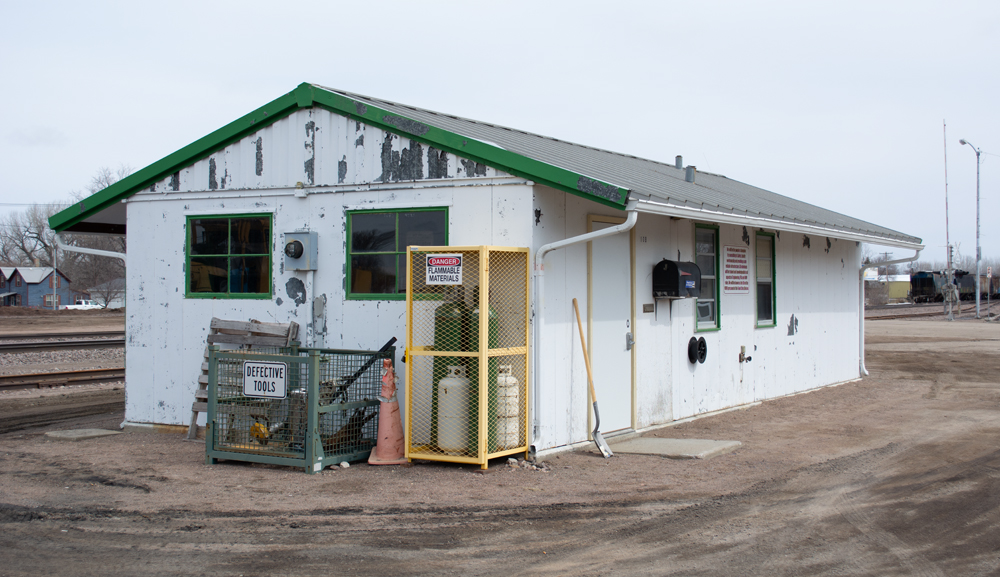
653,206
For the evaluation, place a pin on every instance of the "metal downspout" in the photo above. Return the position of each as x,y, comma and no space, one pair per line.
93,251
861,308
539,291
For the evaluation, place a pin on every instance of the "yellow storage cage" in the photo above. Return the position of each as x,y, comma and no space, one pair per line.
467,353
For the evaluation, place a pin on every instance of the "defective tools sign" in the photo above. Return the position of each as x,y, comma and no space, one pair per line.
266,380
735,270
444,269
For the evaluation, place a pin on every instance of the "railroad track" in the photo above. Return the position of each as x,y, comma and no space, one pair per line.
66,378
92,334
938,311
41,346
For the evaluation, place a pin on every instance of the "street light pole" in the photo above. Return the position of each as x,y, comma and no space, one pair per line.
979,254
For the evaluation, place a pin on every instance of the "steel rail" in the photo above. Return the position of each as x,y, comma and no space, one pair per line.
910,315
92,334
60,379
43,346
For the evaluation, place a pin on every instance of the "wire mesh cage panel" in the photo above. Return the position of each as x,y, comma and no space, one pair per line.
297,406
467,349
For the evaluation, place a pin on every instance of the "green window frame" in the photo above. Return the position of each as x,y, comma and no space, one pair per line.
376,248
767,300
707,312
229,256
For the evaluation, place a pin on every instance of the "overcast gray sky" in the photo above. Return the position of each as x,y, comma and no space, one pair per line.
839,104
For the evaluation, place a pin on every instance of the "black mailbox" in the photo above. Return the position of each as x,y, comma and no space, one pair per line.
676,280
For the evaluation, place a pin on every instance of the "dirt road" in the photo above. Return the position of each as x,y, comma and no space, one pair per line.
893,475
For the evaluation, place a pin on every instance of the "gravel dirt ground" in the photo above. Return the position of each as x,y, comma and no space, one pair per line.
896,474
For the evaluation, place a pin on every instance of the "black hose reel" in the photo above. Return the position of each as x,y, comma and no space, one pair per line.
697,350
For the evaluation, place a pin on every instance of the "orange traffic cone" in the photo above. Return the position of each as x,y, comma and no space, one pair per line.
389,447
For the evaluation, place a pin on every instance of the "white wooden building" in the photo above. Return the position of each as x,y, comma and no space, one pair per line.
206,226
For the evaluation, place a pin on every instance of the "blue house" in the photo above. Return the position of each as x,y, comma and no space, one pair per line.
12,287
35,287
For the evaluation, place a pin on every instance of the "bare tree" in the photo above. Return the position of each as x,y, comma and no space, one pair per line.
26,239
108,293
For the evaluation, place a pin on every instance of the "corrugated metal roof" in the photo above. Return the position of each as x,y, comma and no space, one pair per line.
34,274
645,178
6,271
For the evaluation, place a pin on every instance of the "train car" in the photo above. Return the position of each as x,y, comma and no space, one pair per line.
925,286
928,286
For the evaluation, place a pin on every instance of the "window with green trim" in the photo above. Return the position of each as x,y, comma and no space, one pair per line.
229,256
376,248
765,280
706,243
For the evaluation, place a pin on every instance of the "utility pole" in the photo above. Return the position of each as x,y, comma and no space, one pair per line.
979,253
949,272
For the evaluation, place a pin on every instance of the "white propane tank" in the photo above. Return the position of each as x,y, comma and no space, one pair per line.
453,410
509,419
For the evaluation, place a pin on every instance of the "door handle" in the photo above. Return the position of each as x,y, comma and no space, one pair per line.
629,341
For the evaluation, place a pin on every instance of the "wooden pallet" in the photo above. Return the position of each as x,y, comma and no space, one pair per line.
246,335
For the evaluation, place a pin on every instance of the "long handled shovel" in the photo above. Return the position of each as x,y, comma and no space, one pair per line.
598,439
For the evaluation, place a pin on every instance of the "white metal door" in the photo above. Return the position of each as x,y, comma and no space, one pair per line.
609,324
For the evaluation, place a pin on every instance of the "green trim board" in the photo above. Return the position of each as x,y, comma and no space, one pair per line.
774,281
307,95
717,325
202,148
228,255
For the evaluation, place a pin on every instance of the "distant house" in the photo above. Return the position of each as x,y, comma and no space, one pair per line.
35,287
9,297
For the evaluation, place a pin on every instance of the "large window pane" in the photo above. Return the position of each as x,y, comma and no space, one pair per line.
373,274
401,281
706,311
707,288
705,241
208,275
249,274
764,302
764,246
373,232
764,269
209,236
423,228
250,236
706,263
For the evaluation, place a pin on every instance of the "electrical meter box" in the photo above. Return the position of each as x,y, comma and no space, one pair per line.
300,251
676,280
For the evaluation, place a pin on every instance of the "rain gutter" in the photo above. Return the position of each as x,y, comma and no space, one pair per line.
861,307
93,251
538,302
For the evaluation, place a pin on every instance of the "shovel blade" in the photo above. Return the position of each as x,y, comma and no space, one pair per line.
602,445
598,438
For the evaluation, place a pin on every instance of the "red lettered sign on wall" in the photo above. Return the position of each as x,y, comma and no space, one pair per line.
735,270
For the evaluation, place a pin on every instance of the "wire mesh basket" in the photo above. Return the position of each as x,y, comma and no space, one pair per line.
467,350
300,407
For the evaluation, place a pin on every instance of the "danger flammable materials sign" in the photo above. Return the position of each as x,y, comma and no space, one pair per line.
736,270
444,269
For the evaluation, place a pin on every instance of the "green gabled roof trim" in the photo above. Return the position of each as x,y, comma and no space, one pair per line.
197,150
307,95
473,149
